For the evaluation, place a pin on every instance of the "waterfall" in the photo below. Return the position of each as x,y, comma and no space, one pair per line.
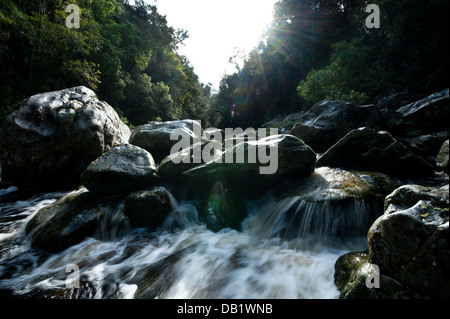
294,218
182,215
314,212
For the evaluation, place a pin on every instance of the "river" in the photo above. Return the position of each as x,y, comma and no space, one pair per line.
182,259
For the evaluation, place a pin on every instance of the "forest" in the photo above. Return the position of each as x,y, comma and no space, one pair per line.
313,50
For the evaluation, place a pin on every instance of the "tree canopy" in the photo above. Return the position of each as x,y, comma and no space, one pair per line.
313,50
126,53
322,49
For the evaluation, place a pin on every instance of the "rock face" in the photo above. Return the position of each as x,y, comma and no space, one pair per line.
429,114
397,100
367,149
326,123
155,137
148,208
442,158
64,223
409,244
121,170
53,137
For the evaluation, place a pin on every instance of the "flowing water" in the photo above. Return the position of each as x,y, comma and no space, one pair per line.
286,249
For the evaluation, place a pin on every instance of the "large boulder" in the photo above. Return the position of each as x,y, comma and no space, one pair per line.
367,149
429,114
409,244
442,158
285,124
64,223
148,208
326,123
53,137
218,186
171,167
357,278
429,144
155,136
288,158
121,170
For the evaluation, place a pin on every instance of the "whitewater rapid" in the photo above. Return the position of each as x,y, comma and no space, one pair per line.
182,259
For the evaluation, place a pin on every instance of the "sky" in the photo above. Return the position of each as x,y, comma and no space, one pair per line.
216,28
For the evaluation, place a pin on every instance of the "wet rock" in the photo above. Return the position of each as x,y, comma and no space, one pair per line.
409,195
288,158
121,170
326,123
429,114
367,149
148,208
410,245
64,223
442,158
155,136
53,137
155,280
428,145
171,167
285,124
353,272
397,100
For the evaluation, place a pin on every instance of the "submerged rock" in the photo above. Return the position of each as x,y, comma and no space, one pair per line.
64,223
53,137
156,279
367,149
155,136
121,170
410,245
148,208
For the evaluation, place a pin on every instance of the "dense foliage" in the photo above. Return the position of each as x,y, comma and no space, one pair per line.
322,49
126,53
313,50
